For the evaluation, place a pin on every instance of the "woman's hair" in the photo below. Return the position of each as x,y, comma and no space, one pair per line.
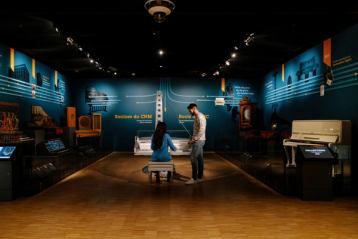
158,135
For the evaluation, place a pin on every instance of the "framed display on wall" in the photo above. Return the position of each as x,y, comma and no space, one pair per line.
247,113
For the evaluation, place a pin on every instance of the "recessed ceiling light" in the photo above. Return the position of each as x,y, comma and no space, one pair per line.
227,63
161,52
233,55
133,74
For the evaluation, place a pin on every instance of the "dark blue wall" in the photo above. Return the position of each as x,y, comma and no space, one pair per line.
135,98
23,88
301,99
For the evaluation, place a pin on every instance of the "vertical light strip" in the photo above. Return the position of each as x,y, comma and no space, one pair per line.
283,72
327,49
12,59
223,84
33,68
56,79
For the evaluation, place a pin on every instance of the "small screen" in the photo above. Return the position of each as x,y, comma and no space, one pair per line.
54,145
320,152
6,151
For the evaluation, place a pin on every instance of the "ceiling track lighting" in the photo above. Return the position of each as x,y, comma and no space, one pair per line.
247,41
71,42
159,9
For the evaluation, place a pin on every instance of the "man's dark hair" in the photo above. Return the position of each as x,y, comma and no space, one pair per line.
192,105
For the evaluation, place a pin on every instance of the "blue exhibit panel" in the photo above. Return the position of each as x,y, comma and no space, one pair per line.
302,76
128,107
299,94
31,82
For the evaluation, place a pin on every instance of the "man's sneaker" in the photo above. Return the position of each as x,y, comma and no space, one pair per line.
190,181
199,180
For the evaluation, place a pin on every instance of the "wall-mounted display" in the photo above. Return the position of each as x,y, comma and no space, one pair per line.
99,101
247,113
6,152
54,145
26,79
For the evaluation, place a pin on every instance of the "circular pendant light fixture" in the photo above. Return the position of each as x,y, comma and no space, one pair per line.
159,9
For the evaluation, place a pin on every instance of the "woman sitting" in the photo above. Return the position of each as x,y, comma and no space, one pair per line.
161,140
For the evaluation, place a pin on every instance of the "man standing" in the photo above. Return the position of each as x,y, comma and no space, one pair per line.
197,141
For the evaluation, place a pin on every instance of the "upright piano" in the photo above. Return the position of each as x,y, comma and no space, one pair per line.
334,134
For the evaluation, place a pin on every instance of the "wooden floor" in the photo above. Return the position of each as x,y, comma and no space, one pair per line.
112,199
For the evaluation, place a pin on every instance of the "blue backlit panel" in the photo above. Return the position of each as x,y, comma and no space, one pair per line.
6,152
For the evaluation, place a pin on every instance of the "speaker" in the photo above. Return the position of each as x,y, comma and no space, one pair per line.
68,136
84,122
71,117
328,74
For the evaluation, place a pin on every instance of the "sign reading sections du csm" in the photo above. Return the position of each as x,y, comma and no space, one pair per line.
135,116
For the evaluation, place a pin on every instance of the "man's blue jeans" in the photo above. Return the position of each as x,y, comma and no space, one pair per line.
197,160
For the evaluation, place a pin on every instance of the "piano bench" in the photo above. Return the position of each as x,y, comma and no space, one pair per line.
160,166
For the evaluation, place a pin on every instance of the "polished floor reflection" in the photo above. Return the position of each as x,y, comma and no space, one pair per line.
113,199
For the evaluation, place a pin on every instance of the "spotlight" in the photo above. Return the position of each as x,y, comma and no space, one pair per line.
70,40
233,55
91,60
249,39
56,29
115,73
161,52
133,74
